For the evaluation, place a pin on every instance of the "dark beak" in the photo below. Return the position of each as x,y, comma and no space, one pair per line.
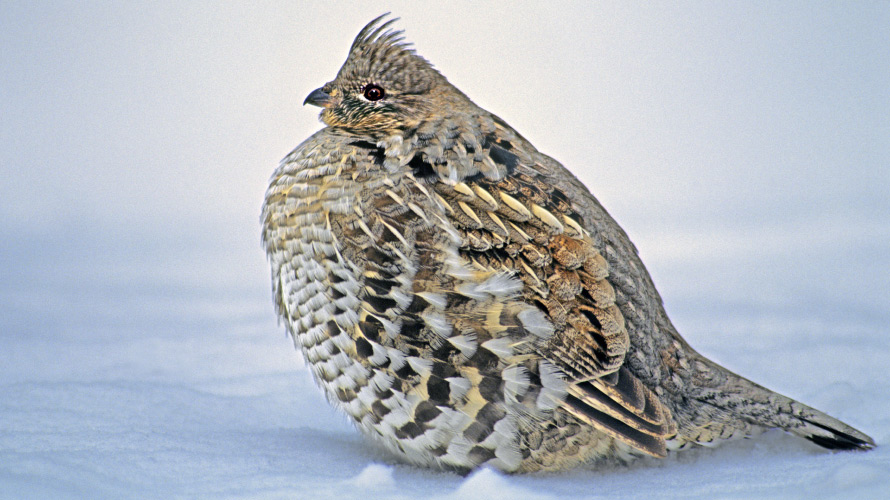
318,98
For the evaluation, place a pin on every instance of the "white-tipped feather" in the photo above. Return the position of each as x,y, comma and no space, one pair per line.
508,457
501,285
458,387
345,382
502,347
392,328
343,342
403,300
534,321
554,386
396,358
471,290
466,344
357,372
456,266
437,300
438,323
397,418
379,355
421,366
516,382
551,376
549,399
382,380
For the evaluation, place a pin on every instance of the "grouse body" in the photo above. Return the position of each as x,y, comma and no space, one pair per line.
467,301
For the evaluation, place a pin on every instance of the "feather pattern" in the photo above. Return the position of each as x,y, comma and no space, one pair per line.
468,302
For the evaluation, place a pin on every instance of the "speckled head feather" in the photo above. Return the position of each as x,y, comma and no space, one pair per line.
380,58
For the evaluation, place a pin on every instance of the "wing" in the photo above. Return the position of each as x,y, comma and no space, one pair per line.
513,216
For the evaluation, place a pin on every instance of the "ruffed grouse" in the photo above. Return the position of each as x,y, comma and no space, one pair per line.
468,302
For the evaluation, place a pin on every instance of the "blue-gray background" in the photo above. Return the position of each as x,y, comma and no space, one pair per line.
744,146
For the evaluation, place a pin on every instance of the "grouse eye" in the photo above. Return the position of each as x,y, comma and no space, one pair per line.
373,92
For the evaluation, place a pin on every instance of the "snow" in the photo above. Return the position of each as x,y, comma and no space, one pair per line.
744,149
269,435
115,385
375,477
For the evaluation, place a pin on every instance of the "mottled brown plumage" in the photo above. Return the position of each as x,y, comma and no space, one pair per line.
467,301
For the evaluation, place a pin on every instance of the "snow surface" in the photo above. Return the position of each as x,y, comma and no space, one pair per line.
744,147
219,406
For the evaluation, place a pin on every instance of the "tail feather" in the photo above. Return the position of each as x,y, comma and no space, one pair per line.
761,407
810,423
832,434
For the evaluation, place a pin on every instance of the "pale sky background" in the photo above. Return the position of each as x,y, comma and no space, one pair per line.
744,146
138,137
730,139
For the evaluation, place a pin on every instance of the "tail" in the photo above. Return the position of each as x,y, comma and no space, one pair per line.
754,405
826,431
